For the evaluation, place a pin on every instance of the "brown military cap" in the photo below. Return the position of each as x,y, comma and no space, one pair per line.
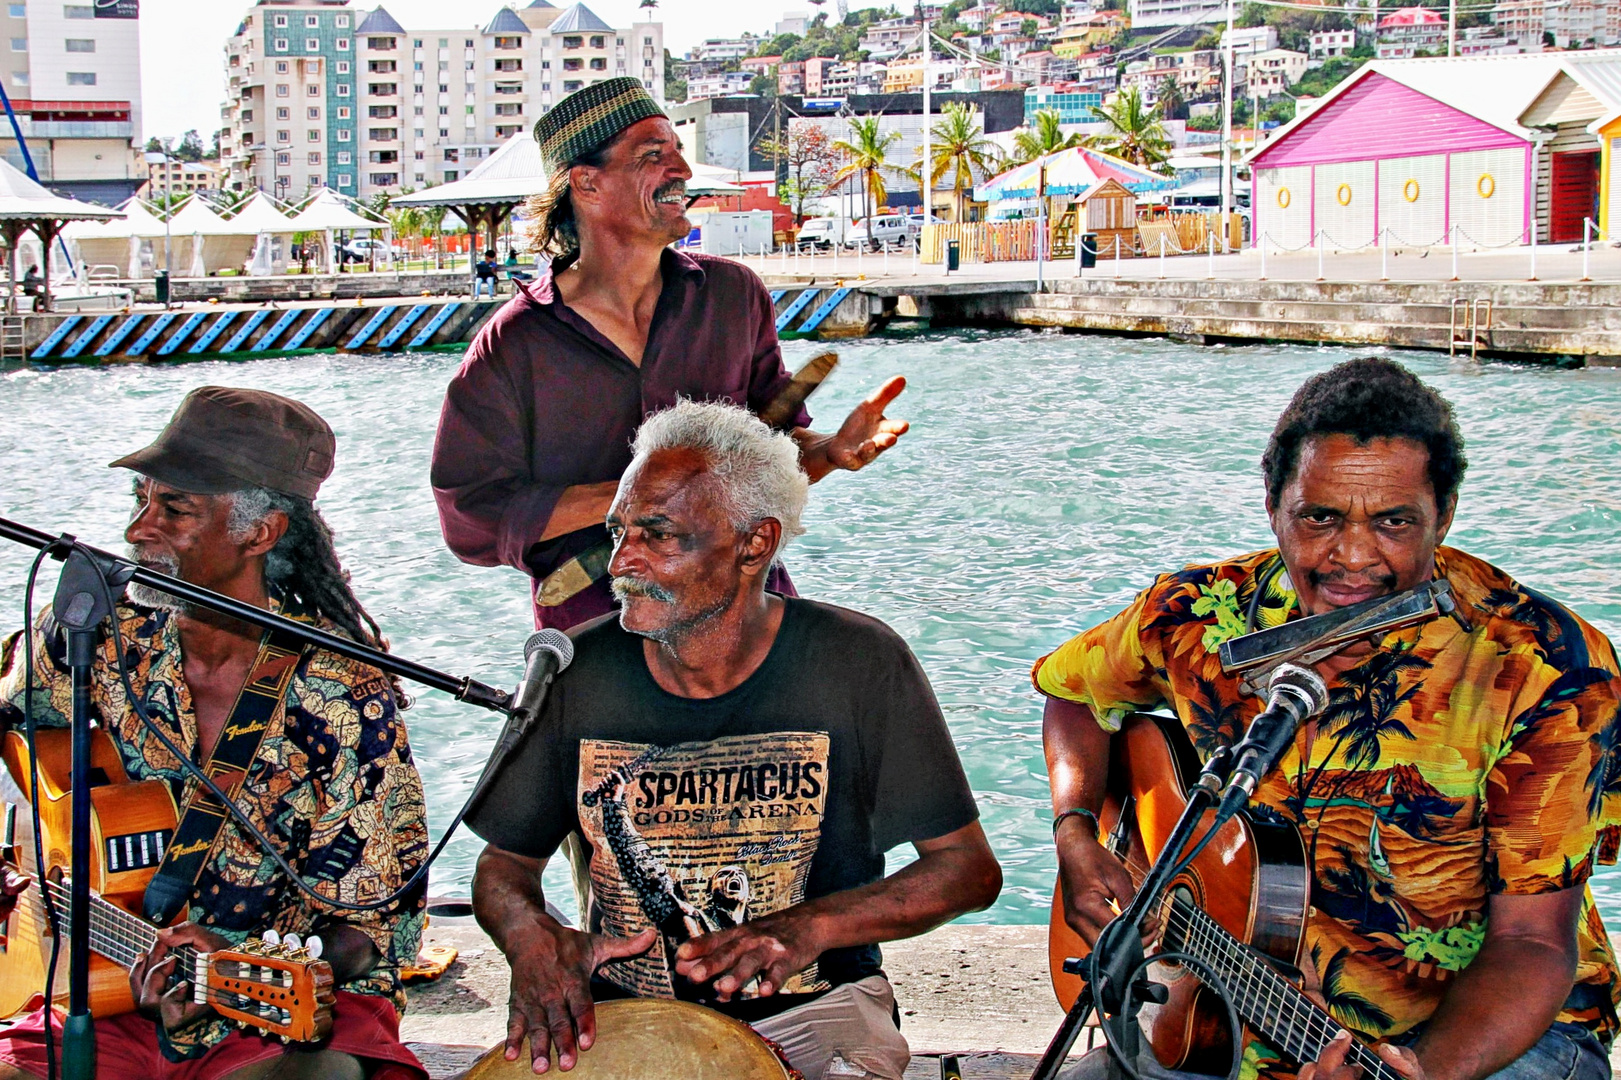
224,439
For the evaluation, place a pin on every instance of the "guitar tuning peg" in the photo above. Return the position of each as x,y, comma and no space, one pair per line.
293,942
271,938
314,947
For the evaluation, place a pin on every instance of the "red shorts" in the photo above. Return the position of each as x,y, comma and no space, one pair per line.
127,1046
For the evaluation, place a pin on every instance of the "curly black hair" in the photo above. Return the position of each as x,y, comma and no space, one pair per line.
1368,398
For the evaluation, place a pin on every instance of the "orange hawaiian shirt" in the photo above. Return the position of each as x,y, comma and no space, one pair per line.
1451,765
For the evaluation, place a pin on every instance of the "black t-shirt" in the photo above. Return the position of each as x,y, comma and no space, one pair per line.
699,814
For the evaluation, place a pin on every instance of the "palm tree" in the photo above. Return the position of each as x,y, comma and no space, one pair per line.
958,145
866,155
1134,131
1043,138
1348,1006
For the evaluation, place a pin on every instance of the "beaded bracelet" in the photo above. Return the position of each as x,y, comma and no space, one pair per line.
1079,811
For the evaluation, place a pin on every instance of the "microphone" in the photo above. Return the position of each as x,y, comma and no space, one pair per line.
546,654
1295,694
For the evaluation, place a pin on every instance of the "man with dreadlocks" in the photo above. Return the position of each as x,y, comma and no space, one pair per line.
536,426
224,499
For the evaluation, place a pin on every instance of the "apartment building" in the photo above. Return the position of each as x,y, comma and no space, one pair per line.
724,84
1151,13
180,177
574,48
323,94
73,73
1570,22
291,97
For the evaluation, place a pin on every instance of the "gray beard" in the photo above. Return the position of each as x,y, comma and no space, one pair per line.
153,598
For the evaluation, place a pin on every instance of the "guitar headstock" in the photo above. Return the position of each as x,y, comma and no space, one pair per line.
281,988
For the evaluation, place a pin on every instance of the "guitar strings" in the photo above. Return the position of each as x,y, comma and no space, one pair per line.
1267,992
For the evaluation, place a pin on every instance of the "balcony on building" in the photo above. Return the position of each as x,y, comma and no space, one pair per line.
383,89
383,134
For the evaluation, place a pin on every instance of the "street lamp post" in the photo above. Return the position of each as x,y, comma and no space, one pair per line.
1227,129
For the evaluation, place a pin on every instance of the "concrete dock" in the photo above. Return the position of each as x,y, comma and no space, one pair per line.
1570,315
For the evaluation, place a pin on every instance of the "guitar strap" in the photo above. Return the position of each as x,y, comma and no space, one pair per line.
227,766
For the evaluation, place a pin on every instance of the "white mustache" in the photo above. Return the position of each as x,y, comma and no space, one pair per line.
626,587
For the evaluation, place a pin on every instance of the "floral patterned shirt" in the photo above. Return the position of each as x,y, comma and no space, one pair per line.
333,784
1449,766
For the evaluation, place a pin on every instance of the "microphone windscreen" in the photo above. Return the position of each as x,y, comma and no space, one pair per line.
1306,683
553,641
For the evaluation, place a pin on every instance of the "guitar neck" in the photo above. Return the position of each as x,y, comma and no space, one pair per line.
1273,1007
118,935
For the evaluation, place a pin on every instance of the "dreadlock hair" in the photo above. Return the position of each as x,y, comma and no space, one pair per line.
549,225
1368,398
304,566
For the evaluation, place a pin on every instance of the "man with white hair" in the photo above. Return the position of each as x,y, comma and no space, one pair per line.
717,729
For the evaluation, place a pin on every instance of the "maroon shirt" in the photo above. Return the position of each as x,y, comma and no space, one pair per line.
544,401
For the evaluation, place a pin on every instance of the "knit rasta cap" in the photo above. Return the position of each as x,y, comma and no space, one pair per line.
588,119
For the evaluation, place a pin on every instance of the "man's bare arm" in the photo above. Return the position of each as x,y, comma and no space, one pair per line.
552,965
953,874
1510,994
1078,757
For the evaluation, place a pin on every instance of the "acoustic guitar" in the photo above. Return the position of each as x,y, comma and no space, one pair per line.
279,987
1240,908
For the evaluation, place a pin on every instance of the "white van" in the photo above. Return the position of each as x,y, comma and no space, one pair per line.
881,231
822,232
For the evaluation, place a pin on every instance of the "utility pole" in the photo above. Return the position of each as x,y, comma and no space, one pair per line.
926,167
1227,131
168,212
1452,27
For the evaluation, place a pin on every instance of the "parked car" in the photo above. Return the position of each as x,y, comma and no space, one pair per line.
881,231
822,232
366,249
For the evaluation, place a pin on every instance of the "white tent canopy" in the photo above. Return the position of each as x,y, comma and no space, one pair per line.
259,215
22,198
137,220
329,212
196,217
272,229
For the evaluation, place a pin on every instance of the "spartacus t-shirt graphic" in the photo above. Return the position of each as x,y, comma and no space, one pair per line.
699,837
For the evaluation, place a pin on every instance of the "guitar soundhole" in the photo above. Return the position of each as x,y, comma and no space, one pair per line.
1173,937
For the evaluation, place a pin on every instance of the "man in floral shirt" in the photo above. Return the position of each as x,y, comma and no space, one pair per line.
224,499
1454,795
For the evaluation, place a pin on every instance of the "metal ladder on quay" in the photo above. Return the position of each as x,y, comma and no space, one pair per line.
12,347
1471,331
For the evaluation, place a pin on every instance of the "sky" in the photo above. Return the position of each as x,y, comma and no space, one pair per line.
182,42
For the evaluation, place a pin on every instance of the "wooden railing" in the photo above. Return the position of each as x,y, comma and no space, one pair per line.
980,241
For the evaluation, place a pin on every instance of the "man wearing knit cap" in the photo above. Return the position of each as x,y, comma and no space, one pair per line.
224,498
537,423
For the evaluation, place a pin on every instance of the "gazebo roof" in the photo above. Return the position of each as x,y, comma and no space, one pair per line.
22,198
328,211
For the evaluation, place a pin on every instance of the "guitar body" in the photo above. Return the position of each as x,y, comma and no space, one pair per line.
1251,879
131,826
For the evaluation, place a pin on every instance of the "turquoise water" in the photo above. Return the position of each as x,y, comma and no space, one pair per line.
1045,480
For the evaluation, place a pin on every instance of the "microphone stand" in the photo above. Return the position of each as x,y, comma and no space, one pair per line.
89,576
1119,947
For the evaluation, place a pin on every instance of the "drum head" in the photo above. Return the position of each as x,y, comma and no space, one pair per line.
642,1039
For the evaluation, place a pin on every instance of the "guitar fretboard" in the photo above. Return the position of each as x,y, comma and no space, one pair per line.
114,933
1274,1008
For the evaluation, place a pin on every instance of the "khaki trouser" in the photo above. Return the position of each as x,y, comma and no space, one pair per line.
846,1034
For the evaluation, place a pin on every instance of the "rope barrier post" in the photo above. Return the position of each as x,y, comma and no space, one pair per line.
859,248
1533,231
1452,236
1587,248
1317,238
1384,254
1162,257
1262,245
1117,256
1210,258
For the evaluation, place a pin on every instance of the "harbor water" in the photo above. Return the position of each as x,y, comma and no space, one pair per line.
1046,479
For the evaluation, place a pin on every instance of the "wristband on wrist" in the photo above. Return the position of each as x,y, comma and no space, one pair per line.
1079,811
